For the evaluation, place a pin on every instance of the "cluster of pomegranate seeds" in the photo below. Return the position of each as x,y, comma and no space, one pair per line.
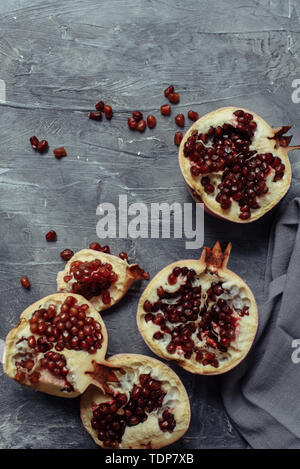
188,317
110,419
226,150
66,254
39,145
59,152
71,328
171,95
25,282
92,278
101,107
136,122
98,247
51,236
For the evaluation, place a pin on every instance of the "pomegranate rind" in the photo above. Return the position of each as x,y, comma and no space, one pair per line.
248,324
146,435
77,361
264,141
117,290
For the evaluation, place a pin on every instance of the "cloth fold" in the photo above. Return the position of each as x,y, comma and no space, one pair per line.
262,394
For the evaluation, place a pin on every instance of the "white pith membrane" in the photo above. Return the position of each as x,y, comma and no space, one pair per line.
243,312
77,362
126,275
262,142
128,368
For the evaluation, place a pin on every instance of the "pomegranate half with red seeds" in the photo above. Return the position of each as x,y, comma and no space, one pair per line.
100,277
236,164
142,404
199,313
54,344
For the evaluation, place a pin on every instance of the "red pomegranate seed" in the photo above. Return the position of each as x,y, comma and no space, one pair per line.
95,246
25,282
169,90
123,256
99,106
132,123
51,236
105,249
108,111
173,98
95,115
59,152
141,125
179,119
193,115
137,116
66,254
177,138
151,121
165,109
42,146
34,142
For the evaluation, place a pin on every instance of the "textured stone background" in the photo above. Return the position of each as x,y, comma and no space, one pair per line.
58,59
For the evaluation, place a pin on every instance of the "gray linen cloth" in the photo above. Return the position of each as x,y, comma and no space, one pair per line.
262,394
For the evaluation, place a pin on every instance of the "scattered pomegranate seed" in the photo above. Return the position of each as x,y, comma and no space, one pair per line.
151,121
173,98
108,111
59,152
66,254
25,282
169,90
177,138
95,246
51,236
34,142
105,249
137,116
141,125
193,115
165,109
124,256
179,119
95,115
132,123
42,146
99,106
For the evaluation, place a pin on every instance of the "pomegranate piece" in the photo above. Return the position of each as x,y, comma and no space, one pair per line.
108,112
137,116
51,236
132,123
25,282
165,109
66,254
95,115
59,152
193,115
174,98
179,120
151,121
197,316
100,106
141,125
34,142
42,146
177,138
169,90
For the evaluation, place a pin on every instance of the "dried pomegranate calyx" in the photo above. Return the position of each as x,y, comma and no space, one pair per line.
235,163
144,406
102,278
55,341
199,313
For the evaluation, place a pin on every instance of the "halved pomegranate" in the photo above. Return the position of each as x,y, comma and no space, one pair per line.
236,164
54,344
142,404
199,313
101,278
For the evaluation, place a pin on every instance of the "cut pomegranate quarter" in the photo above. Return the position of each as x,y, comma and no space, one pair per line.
142,404
236,164
54,344
100,277
199,313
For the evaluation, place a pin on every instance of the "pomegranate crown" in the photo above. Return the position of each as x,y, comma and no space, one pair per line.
215,258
